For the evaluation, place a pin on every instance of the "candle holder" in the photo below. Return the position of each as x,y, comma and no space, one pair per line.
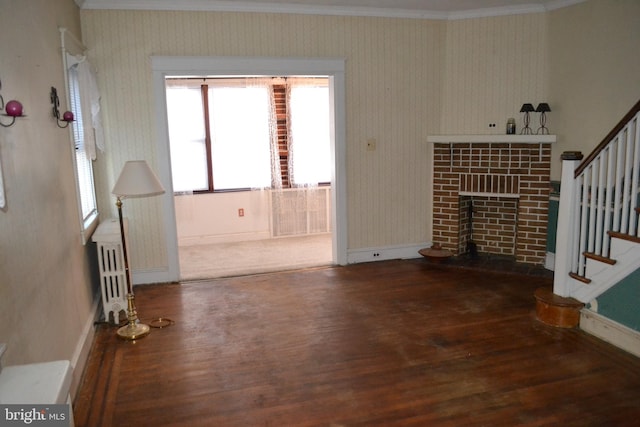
12,109
67,116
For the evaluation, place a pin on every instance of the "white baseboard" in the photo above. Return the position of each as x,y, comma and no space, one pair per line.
151,276
610,331
383,253
83,346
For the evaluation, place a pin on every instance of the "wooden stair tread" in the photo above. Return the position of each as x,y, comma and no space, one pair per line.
600,258
624,236
580,278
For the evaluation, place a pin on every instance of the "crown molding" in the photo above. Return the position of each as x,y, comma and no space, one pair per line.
513,10
496,11
307,9
247,6
559,4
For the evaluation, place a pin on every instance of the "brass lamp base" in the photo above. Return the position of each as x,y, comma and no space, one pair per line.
133,331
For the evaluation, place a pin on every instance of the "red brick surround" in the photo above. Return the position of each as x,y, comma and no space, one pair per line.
508,185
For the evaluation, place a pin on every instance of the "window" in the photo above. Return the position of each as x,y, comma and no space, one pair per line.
83,164
240,137
188,139
243,133
311,152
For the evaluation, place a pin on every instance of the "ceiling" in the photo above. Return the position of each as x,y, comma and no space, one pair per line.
426,9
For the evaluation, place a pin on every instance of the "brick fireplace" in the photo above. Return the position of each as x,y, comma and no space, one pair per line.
494,190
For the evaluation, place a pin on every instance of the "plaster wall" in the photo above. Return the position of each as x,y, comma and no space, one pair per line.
395,86
46,273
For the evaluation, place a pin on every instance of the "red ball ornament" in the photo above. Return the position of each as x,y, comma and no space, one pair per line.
67,116
13,109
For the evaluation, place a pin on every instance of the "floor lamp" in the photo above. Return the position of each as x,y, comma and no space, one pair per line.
136,180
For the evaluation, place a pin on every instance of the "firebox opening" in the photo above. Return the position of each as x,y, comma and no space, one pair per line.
488,222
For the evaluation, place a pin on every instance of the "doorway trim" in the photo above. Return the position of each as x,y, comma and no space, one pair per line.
180,66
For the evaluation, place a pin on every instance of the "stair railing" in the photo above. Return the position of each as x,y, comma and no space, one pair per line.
598,196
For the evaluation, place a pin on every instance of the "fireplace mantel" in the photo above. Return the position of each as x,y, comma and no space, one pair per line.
513,139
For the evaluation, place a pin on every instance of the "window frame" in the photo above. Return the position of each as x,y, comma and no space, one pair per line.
88,222
164,67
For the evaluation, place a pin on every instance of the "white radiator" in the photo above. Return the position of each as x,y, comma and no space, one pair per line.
112,270
300,211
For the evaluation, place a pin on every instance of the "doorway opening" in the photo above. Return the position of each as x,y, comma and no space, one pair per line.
186,67
251,173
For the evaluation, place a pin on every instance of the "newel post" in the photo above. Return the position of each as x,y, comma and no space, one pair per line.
566,220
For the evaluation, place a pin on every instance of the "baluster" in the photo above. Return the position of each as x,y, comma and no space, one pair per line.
626,198
617,190
633,230
575,221
584,206
600,204
609,190
593,205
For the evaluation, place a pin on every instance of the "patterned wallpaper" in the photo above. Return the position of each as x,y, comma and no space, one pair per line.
405,79
493,66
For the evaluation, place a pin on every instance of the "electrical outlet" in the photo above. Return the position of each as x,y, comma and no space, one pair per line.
241,212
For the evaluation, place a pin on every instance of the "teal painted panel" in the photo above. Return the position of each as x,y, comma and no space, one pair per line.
622,302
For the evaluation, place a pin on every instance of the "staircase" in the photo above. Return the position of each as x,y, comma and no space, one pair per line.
598,235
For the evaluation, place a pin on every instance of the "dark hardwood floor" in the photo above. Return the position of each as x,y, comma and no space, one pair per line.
397,343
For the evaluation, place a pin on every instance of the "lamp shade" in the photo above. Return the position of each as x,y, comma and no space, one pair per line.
527,108
543,107
137,180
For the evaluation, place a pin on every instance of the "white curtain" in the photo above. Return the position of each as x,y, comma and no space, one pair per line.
90,104
274,154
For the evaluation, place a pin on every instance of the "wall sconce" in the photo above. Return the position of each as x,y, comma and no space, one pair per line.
12,109
67,117
543,108
526,109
